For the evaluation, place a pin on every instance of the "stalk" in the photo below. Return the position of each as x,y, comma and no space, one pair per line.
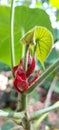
12,34
39,113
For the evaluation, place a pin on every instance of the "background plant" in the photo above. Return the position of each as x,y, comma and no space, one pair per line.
18,35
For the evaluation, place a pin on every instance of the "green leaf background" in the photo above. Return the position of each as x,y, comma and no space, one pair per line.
25,19
7,126
54,3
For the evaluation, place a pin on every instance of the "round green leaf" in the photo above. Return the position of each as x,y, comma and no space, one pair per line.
44,41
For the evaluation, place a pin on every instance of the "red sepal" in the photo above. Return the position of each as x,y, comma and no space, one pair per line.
35,78
20,84
21,72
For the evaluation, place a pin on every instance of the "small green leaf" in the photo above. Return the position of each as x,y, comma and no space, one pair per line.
28,38
44,40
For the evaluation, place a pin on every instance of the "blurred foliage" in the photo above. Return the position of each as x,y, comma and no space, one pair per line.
25,19
7,126
4,67
54,3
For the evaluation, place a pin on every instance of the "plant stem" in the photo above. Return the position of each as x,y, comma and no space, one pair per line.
43,76
21,96
12,34
33,116
26,57
15,115
26,123
37,114
21,102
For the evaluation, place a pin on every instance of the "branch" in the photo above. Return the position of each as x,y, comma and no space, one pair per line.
37,114
15,115
43,76
12,34
33,116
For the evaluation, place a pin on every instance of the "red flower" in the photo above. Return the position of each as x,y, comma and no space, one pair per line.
20,81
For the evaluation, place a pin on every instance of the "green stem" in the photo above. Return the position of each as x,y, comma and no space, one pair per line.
26,123
15,115
21,96
26,57
43,76
12,34
21,102
33,116
39,113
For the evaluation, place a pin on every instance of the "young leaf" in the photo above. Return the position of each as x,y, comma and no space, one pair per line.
28,38
44,40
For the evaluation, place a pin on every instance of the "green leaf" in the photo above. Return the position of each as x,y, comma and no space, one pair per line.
7,126
28,38
25,19
38,122
44,41
54,3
